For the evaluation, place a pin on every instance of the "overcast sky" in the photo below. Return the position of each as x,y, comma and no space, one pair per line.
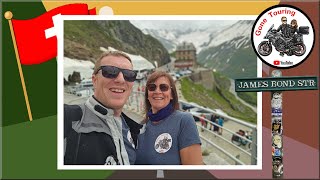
179,24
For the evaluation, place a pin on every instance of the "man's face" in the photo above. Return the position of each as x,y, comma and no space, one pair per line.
112,93
284,20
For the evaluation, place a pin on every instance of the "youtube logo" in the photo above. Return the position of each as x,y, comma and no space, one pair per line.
276,62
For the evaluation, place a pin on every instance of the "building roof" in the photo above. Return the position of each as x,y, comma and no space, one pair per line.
185,46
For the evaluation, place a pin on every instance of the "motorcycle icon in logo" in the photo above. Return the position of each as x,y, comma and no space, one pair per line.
163,143
293,45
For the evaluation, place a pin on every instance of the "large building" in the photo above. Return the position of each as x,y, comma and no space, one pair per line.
186,56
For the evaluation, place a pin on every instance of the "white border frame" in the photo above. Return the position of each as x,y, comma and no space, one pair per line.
59,24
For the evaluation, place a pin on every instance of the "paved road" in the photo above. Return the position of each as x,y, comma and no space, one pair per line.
232,90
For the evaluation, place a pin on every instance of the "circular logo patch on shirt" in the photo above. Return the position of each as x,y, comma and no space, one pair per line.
130,139
163,143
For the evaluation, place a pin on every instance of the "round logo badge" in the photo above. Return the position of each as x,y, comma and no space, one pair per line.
277,141
277,167
163,143
276,73
282,36
276,101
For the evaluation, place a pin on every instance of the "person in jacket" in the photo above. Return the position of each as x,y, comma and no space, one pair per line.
203,122
285,30
97,132
294,29
220,123
170,136
284,27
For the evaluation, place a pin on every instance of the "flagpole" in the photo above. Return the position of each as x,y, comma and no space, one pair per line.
8,15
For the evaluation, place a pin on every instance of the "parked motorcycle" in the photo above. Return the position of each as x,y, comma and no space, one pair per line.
291,46
241,141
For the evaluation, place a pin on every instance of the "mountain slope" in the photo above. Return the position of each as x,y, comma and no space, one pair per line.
227,49
170,38
230,52
234,59
82,40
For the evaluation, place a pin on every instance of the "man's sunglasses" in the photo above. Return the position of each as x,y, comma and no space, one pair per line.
153,87
113,72
284,20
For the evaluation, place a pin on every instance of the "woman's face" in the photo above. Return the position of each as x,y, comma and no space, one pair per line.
160,98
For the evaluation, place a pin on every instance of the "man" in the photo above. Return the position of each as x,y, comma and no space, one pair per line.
97,132
284,27
285,30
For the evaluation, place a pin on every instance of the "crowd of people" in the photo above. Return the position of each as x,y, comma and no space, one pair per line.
216,123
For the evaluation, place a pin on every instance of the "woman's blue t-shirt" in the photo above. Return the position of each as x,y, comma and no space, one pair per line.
161,143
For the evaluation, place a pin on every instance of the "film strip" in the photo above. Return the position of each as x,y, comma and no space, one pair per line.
277,130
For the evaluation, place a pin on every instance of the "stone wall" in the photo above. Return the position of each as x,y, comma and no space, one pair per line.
204,77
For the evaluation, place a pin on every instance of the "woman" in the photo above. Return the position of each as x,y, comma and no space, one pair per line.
171,136
293,27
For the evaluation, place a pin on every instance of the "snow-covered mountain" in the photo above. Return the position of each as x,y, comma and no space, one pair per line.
239,29
230,52
171,38
226,49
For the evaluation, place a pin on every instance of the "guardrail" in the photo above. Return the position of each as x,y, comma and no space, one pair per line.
139,95
253,142
237,161
229,142
223,115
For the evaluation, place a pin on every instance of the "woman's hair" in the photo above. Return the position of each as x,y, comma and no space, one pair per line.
151,79
295,23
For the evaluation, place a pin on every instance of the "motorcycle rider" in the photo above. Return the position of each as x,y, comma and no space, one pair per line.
293,29
285,29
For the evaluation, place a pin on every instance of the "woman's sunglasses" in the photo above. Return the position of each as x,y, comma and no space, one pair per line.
113,72
153,87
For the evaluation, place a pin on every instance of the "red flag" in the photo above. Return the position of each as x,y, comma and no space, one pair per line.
32,44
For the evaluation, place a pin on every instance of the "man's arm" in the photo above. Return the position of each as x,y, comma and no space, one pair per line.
71,113
280,28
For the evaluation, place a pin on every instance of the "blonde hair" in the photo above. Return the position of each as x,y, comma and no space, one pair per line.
109,53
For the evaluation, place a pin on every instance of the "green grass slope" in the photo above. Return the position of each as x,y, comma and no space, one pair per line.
219,98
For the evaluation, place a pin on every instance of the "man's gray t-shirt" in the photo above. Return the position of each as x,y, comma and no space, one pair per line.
161,143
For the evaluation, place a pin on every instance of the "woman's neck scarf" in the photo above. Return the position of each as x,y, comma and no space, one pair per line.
163,113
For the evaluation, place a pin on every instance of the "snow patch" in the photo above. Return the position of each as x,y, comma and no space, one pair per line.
84,67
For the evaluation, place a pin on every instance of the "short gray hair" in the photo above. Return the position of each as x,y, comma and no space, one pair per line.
109,53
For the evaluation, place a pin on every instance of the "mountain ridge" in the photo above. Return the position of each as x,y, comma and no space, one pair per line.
83,39
227,50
